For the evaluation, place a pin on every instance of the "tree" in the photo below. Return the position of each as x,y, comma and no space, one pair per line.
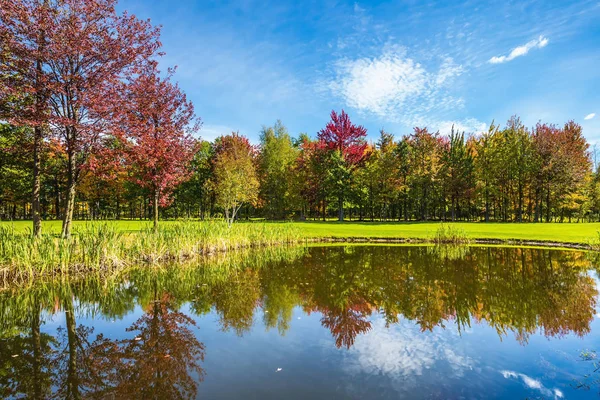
311,171
91,50
154,123
457,170
15,167
24,27
234,180
563,162
276,168
349,141
195,190
424,159
388,172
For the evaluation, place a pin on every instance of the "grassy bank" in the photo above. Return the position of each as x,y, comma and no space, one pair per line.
115,245
552,232
107,246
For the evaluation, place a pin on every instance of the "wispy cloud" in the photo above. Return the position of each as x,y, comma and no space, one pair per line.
395,87
521,50
468,125
590,116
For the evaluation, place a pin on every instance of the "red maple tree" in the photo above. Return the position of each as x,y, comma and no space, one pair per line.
155,122
346,145
24,28
81,51
341,134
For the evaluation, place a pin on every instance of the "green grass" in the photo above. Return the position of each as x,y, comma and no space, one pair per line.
109,246
554,232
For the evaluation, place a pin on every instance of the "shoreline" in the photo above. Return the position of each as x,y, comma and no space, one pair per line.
550,244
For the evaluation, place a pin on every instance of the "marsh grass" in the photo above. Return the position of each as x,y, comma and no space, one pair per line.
102,247
594,242
450,234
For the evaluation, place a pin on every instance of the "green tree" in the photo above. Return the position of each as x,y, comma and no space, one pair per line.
457,171
425,161
234,179
276,161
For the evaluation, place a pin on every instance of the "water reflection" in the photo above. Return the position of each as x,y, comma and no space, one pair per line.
59,339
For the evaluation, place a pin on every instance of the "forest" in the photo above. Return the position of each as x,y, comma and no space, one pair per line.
91,128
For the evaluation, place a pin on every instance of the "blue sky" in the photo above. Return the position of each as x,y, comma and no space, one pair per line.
392,64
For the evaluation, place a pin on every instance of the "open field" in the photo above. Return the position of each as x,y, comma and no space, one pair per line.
553,232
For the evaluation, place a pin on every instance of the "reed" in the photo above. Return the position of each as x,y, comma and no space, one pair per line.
594,242
102,247
450,234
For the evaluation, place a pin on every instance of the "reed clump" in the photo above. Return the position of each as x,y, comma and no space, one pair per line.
450,234
102,247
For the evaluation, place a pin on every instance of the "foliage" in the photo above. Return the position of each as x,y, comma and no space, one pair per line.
154,123
279,194
234,180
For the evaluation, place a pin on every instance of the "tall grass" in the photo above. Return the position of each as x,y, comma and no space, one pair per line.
100,246
450,234
594,242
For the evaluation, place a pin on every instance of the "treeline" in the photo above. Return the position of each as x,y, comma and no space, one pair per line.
91,128
509,173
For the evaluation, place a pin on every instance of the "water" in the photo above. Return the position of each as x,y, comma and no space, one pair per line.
319,322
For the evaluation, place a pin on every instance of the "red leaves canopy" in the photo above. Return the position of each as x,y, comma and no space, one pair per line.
340,134
155,123
72,55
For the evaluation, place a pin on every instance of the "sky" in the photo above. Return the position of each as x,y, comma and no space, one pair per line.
389,64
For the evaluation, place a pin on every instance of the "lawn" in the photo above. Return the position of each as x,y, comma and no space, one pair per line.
558,232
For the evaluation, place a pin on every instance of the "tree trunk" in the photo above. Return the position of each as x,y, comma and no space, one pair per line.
520,202
35,201
56,198
71,187
341,208
155,209
548,204
37,141
70,207
487,205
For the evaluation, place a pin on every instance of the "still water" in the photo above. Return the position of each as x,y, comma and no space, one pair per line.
325,322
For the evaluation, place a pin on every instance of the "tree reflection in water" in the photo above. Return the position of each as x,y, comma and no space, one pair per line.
518,291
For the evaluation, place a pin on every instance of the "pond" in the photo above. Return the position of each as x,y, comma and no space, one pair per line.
317,322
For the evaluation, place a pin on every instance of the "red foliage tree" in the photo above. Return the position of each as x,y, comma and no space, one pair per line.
84,51
24,28
312,173
155,127
563,163
341,136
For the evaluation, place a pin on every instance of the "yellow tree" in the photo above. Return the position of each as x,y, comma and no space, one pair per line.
234,180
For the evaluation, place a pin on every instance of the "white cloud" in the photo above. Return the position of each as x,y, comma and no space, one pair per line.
521,50
469,125
395,87
533,384
590,116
